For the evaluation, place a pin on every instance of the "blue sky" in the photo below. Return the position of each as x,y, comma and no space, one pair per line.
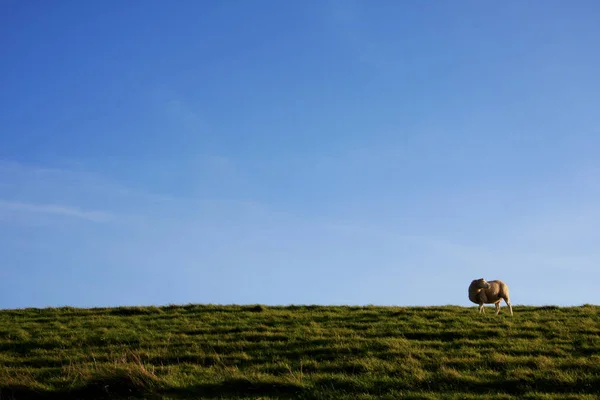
298,152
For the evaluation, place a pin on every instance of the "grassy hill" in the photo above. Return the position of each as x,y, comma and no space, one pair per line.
304,352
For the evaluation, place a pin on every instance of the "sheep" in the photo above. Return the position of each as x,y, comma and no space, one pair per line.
492,292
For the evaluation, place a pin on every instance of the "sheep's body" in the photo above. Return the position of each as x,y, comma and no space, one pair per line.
492,292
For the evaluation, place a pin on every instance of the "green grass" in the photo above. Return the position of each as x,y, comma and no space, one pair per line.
304,352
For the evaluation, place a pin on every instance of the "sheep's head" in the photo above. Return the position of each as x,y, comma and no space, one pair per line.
481,284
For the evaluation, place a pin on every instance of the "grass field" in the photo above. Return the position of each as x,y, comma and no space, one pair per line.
304,352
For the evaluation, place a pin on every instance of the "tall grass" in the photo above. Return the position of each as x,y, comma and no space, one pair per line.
304,352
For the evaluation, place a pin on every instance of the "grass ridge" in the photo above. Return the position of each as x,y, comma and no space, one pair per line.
304,352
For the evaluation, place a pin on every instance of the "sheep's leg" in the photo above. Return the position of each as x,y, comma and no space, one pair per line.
482,300
497,304
507,301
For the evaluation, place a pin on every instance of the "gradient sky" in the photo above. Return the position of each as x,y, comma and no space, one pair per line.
298,152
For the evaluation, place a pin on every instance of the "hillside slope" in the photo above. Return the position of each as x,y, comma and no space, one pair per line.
310,352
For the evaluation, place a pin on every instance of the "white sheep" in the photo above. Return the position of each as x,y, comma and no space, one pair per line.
492,292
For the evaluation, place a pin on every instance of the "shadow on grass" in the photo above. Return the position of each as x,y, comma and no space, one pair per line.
451,335
123,383
115,388
119,388
123,389
240,387
516,387
26,347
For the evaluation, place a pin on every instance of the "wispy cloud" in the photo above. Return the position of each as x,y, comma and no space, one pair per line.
239,248
53,209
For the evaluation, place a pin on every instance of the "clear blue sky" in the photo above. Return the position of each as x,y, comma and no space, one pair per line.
298,152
